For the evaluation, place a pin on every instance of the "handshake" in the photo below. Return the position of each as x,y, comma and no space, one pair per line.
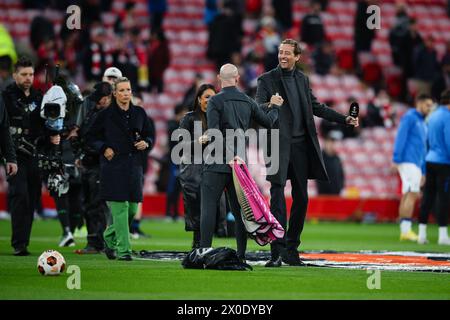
276,99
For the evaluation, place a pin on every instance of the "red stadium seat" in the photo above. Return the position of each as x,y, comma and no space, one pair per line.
372,73
345,59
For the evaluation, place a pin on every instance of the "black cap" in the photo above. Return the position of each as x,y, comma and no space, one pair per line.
101,89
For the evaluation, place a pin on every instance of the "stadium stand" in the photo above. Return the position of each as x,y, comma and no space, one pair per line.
366,158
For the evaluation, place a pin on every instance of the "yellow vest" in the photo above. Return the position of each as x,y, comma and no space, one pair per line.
7,45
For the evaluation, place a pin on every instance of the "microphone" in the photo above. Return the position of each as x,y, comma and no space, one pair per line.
354,109
353,112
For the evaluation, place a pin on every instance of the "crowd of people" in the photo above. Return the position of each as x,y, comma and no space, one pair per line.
144,57
85,52
65,141
414,55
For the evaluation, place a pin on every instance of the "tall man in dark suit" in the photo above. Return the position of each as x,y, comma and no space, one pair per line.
229,109
299,150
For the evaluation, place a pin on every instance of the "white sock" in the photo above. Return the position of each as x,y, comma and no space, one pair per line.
443,233
405,226
422,231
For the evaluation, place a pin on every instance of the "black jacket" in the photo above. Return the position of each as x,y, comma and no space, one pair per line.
190,172
85,119
188,123
269,84
363,36
426,65
225,35
335,171
6,144
312,29
121,178
232,109
24,113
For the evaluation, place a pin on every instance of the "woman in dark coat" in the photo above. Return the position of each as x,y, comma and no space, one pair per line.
121,134
190,172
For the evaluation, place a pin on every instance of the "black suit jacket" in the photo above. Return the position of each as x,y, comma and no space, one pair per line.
232,109
269,84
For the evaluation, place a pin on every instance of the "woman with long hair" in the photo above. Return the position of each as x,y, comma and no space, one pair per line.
190,172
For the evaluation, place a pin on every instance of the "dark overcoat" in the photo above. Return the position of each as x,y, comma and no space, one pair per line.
190,172
271,83
121,178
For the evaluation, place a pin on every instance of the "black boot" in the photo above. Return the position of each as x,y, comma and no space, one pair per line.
196,239
273,263
110,253
275,255
292,258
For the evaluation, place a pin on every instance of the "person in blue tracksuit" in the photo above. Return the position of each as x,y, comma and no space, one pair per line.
437,186
409,160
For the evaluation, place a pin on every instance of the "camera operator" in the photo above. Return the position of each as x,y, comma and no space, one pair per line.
51,159
121,134
6,145
22,103
95,209
57,150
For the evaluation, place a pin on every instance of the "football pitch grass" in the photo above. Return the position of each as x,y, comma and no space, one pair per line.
167,280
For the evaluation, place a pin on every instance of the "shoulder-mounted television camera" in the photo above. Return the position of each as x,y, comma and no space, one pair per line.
53,108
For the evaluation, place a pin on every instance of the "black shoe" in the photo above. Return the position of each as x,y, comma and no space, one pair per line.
273,263
110,253
21,252
242,259
126,257
292,258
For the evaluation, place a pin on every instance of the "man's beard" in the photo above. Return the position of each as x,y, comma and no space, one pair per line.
24,87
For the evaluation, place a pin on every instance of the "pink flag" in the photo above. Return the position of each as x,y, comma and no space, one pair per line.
258,220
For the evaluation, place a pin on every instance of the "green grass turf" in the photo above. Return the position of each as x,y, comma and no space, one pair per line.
104,279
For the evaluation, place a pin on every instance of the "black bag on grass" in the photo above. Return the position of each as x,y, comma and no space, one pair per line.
193,260
220,259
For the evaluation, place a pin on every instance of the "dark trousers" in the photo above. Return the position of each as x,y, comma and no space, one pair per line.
23,192
437,193
212,187
96,211
173,192
192,210
75,203
221,223
298,174
69,206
